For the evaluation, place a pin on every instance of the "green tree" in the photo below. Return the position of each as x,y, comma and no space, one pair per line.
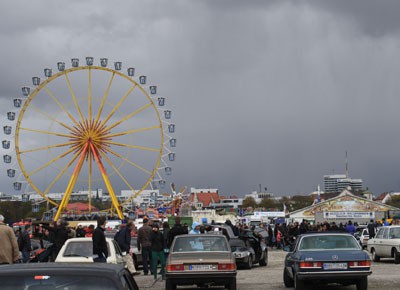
249,202
268,203
394,201
299,202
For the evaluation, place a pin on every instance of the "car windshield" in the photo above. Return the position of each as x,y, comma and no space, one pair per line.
199,243
80,249
52,282
328,242
237,243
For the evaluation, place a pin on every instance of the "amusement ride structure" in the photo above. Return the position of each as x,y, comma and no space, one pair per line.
86,127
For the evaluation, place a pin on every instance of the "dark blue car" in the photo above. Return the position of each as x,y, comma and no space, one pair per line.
326,258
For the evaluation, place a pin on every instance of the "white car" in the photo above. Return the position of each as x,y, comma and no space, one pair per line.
81,250
385,244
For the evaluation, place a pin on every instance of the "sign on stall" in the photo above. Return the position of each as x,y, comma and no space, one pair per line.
349,214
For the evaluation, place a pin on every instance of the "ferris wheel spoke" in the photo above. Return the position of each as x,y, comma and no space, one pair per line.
105,96
90,183
50,162
127,117
128,161
117,171
60,105
132,146
62,172
131,131
74,98
47,147
116,107
47,132
90,94
51,118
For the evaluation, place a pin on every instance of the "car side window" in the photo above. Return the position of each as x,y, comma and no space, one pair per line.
386,233
379,235
117,248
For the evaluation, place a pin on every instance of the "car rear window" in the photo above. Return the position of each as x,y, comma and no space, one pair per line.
199,243
80,249
328,242
56,282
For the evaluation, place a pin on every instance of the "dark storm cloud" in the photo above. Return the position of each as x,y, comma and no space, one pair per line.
262,92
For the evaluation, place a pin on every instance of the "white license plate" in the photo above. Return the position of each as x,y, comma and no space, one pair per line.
200,267
335,266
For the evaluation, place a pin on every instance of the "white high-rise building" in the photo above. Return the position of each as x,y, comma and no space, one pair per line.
339,182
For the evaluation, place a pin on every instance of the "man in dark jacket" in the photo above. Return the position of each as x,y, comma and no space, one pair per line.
176,230
100,249
144,244
24,242
371,229
123,238
59,234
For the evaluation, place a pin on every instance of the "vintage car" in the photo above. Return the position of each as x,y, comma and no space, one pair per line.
81,250
203,260
326,258
249,249
385,244
362,236
72,276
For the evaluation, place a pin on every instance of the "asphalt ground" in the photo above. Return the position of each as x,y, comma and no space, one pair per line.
385,275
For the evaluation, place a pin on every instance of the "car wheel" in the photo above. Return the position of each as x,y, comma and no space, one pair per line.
396,256
169,285
286,279
232,284
264,260
362,284
249,264
298,284
375,257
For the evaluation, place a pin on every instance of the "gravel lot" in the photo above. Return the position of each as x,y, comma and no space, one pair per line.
385,276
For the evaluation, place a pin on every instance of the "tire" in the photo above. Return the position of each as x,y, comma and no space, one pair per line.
375,257
232,284
396,256
298,284
264,260
169,285
286,279
249,264
362,284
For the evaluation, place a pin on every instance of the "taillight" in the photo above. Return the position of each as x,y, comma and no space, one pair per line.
359,264
175,267
308,265
226,267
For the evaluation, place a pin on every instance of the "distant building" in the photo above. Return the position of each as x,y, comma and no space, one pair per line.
147,198
339,182
259,196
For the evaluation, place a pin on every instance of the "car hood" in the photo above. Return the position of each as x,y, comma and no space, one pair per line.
348,255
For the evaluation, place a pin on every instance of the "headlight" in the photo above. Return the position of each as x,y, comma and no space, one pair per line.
241,254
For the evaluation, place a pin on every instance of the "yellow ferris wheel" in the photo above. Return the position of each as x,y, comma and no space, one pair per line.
91,126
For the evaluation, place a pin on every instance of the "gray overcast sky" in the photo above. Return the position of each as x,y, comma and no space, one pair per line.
262,92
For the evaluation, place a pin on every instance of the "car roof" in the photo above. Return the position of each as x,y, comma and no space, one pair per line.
85,239
325,233
71,268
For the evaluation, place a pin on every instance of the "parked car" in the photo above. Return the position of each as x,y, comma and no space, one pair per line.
362,236
81,250
72,276
385,244
249,249
202,260
329,258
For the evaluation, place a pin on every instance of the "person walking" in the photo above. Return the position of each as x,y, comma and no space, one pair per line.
24,244
371,229
144,244
157,251
166,230
9,252
350,228
59,236
195,229
123,238
100,249
176,230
